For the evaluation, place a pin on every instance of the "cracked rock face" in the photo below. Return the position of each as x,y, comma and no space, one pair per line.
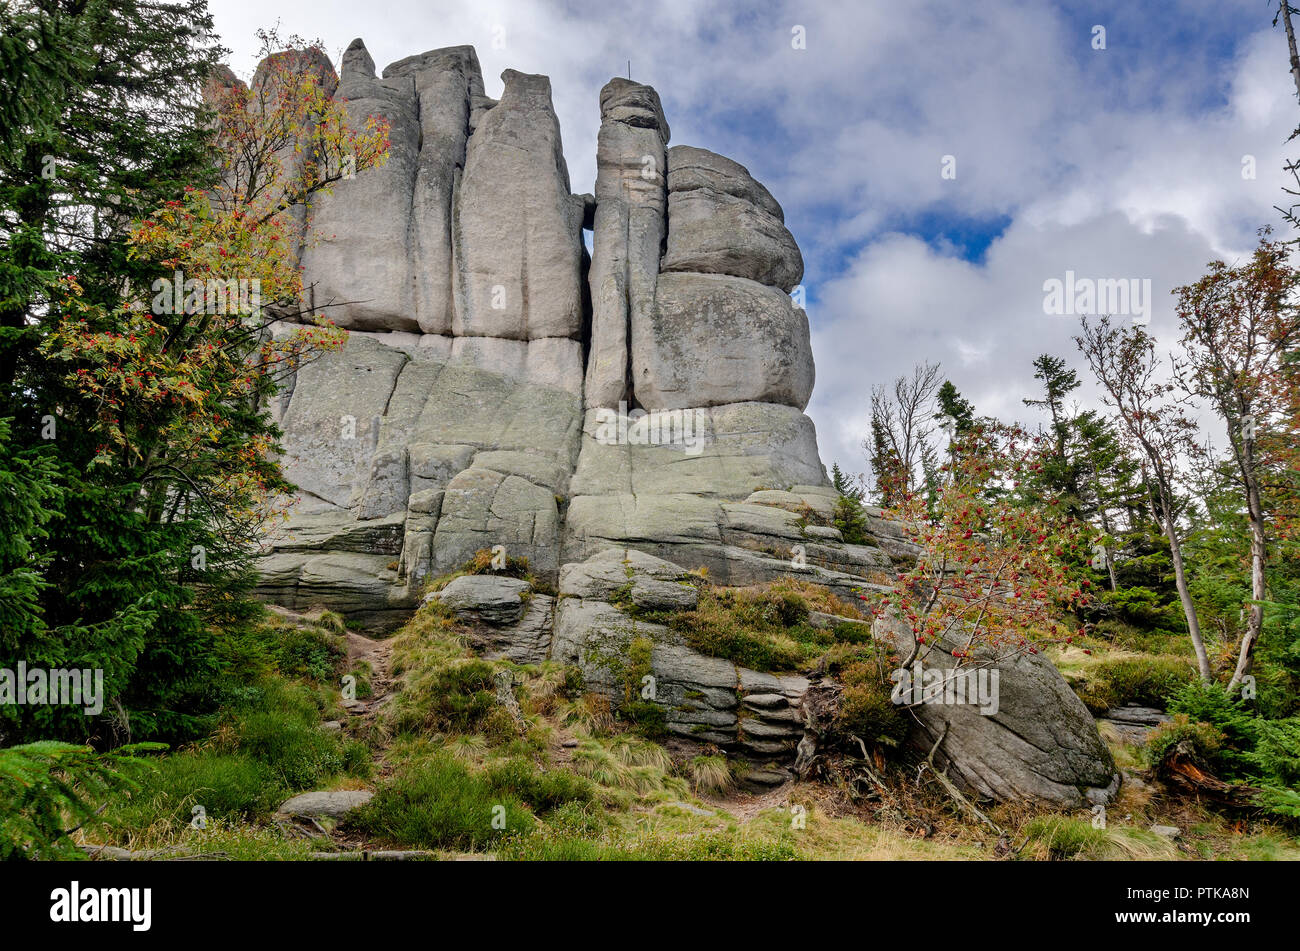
518,238
629,226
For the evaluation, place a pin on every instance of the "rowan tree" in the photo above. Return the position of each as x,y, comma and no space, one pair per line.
994,569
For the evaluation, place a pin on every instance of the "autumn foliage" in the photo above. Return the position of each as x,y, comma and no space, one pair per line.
995,565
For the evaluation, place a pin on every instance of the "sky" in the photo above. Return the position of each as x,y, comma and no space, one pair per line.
938,161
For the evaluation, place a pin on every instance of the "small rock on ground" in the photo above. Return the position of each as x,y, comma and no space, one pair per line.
323,803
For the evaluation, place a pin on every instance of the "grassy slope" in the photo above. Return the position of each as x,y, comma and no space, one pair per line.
454,771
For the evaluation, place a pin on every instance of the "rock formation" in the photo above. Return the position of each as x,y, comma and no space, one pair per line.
616,419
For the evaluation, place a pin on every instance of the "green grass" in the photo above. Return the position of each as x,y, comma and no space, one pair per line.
267,744
542,790
439,803
227,786
271,646
481,564
552,845
1067,837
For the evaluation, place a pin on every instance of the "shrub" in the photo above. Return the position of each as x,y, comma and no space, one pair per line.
439,804
1142,608
457,697
1128,637
1280,802
266,646
648,718
1206,741
572,687
278,724
1276,756
763,629
1210,703
851,521
866,710
308,652
48,788
852,632
1148,681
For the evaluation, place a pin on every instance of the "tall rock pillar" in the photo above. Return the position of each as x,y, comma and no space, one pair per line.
628,233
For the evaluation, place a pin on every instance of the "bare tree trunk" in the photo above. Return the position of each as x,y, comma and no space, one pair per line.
1284,9
1110,558
1170,524
1185,596
1258,589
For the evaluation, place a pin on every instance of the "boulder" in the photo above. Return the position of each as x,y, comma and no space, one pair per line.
492,599
696,346
1036,741
1133,723
526,641
325,804
721,221
692,169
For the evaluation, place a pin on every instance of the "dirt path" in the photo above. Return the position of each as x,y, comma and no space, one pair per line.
377,654
745,806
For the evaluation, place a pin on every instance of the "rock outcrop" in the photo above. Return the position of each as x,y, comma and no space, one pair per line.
496,381
617,419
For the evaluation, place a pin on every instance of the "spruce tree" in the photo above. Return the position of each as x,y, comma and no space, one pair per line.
103,122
